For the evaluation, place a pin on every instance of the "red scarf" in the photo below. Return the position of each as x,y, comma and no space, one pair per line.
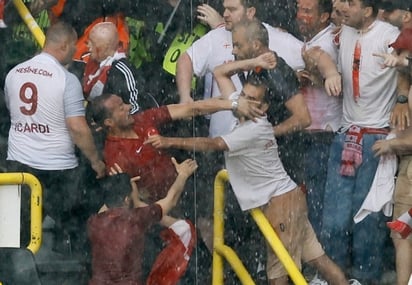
352,151
95,75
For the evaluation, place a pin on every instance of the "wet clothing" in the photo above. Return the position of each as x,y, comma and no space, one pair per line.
40,95
344,194
255,170
137,159
117,242
259,180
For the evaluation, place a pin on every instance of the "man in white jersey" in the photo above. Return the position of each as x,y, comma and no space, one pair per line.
257,174
369,95
215,48
47,121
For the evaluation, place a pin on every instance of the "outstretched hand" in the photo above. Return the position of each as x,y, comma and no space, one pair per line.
391,60
158,141
186,168
209,16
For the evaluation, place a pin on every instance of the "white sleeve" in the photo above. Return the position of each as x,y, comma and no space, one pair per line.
199,54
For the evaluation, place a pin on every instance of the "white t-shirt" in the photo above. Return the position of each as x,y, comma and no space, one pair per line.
377,84
40,94
215,48
325,110
252,161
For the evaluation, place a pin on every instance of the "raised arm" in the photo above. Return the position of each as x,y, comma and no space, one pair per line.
184,170
320,64
223,73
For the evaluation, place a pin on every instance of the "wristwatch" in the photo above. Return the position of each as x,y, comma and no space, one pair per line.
402,99
235,105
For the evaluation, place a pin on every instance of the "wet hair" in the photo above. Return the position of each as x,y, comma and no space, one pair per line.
259,79
115,189
59,32
98,111
253,3
325,6
374,4
254,30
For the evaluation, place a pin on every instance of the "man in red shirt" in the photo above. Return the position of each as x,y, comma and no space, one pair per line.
117,232
126,135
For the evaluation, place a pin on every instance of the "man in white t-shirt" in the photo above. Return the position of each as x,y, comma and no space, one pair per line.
215,48
369,96
325,107
47,121
257,174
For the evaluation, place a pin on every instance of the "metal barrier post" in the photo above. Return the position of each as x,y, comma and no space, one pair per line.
30,22
220,250
35,201
277,247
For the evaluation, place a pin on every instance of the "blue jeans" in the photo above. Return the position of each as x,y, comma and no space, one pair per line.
356,246
317,146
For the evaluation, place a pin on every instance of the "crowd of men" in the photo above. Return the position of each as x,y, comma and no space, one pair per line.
306,103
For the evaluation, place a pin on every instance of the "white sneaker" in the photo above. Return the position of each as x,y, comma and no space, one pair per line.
318,281
354,282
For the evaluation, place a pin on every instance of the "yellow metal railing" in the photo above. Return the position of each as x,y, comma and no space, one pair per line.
220,250
30,22
18,178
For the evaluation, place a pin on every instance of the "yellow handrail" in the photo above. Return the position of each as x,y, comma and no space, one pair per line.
30,22
277,247
220,250
17,178
219,247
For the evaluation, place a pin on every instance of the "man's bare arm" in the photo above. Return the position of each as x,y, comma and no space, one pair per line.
299,119
223,72
184,170
191,144
82,137
244,107
184,74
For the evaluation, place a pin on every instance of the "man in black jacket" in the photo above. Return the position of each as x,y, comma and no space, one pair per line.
108,70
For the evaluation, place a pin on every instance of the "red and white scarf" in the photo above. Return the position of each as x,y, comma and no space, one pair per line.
95,75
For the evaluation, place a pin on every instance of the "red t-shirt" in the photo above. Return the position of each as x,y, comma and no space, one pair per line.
154,166
117,243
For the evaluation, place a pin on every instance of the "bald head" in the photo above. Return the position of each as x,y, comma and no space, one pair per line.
103,40
254,30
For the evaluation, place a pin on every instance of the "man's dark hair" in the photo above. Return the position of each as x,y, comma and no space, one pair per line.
325,6
259,79
374,4
115,189
98,110
60,31
250,3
